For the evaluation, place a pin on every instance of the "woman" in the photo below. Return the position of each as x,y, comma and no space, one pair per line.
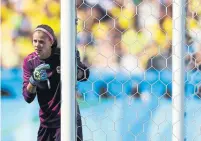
41,78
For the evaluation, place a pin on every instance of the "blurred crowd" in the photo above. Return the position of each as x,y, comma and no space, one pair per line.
18,19
128,35
134,35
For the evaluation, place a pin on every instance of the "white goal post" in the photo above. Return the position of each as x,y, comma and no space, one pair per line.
178,75
68,77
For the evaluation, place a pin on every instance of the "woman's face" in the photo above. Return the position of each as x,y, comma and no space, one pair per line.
42,44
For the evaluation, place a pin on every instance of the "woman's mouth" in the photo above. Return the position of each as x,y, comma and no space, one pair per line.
38,51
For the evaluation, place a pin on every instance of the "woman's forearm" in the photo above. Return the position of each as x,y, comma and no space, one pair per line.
31,88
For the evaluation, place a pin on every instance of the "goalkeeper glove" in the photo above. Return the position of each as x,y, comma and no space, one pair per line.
39,74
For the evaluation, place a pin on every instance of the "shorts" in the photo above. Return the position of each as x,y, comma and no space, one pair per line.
54,134
49,134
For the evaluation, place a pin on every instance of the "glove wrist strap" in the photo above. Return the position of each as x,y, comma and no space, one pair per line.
32,81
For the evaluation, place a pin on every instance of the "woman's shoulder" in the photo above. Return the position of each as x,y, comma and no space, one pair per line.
31,56
57,51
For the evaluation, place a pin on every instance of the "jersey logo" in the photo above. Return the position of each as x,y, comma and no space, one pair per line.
58,69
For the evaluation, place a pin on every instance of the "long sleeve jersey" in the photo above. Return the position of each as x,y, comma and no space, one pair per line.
49,99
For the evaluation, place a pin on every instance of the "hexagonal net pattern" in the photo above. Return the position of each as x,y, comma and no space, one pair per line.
127,46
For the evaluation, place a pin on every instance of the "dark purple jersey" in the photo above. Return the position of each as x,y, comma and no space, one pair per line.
48,99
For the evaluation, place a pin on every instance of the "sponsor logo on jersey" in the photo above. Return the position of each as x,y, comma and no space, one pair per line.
58,69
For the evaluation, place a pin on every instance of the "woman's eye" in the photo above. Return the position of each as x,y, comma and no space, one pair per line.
41,42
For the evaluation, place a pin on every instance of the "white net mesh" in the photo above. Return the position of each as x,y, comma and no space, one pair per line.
127,45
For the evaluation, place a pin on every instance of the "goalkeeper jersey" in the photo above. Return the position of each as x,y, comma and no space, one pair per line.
49,98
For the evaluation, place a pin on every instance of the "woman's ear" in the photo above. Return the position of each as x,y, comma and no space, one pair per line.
52,43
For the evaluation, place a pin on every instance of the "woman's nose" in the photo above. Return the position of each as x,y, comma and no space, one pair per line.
36,44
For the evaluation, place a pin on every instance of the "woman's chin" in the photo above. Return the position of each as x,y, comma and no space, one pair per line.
40,55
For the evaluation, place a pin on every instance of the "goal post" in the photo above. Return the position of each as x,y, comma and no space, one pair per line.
68,75
178,75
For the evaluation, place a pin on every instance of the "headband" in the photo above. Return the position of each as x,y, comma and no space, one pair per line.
44,30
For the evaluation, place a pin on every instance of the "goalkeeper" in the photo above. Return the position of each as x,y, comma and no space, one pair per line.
41,78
